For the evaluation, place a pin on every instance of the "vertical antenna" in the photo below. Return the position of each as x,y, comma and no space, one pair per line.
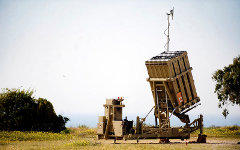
168,38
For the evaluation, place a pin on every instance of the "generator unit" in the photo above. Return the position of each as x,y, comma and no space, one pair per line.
111,124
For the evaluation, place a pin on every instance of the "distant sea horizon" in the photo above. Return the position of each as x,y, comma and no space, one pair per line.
208,120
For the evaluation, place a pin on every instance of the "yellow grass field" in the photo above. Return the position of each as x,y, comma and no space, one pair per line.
85,138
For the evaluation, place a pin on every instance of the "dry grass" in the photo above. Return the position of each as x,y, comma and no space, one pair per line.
83,137
32,136
228,131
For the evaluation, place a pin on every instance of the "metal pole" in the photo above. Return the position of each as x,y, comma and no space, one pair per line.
168,32
159,119
156,110
201,124
166,46
167,115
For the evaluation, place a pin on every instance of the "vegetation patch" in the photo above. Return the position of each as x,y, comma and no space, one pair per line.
83,131
228,131
83,143
20,111
32,136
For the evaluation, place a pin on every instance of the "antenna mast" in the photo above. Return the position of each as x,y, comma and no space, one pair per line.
168,39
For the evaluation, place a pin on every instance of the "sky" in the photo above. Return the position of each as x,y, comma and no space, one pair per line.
77,53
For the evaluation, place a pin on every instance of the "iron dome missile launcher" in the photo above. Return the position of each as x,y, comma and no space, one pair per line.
174,93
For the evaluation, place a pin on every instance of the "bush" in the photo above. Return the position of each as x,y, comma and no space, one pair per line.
19,110
66,131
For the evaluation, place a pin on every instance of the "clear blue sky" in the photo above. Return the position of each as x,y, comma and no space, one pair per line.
77,53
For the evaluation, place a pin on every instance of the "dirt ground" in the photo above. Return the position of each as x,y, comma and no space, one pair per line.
211,140
212,143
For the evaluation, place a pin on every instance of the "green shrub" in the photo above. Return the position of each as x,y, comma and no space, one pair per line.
20,111
66,131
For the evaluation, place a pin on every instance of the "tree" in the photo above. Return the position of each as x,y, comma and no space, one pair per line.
228,85
19,110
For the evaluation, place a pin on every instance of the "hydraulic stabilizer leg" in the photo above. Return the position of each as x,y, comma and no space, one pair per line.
201,137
